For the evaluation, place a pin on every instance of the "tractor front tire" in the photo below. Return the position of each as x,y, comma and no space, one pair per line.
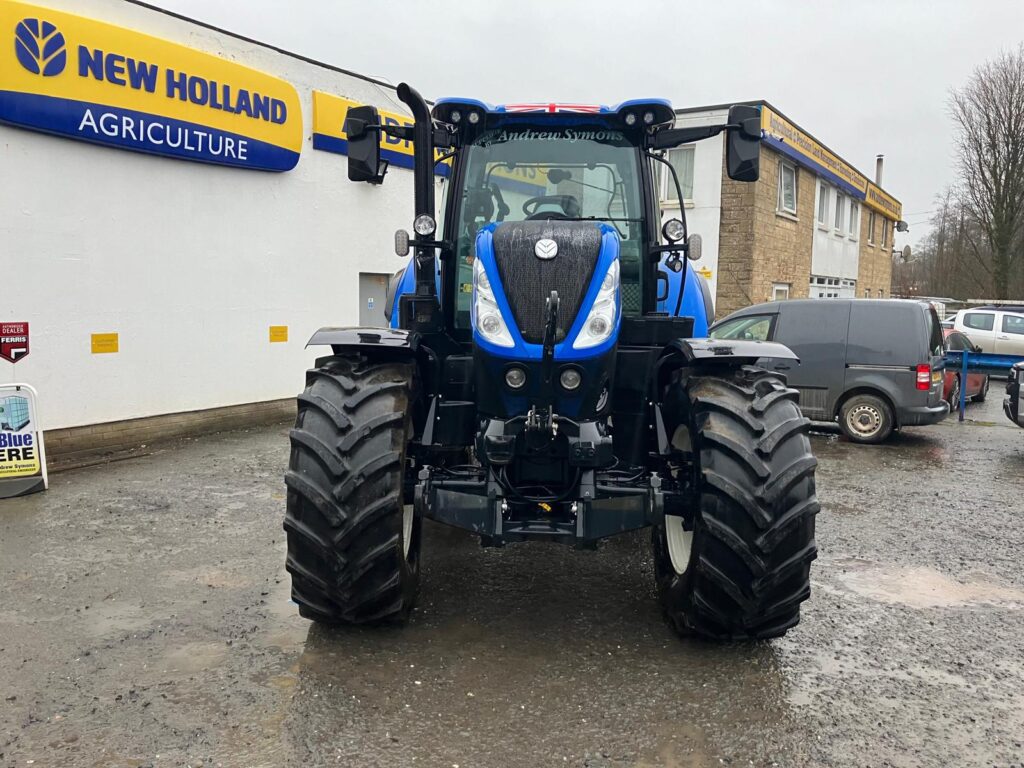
353,546
742,569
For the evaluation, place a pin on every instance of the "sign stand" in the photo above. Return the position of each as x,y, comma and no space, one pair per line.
22,454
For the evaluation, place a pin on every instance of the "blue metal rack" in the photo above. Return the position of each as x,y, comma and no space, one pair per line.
978,362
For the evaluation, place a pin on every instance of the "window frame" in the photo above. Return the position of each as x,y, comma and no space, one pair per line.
885,232
754,320
853,224
1011,316
991,327
777,287
872,219
824,197
665,185
839,217
779,193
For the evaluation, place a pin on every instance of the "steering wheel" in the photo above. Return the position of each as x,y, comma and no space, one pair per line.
570,207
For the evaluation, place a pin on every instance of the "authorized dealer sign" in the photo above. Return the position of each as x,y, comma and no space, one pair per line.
89,80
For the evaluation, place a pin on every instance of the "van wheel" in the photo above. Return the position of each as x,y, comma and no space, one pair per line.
866,419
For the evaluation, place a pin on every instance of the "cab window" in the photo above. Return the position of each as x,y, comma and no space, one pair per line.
748,328
980,321
1013,324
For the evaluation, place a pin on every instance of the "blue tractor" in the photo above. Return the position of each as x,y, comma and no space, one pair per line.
543,378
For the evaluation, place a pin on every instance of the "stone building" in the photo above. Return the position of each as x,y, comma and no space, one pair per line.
812,226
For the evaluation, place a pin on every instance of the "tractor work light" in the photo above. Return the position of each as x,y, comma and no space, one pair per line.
673,230
630,119
515,378
648,118
600,322
486,314
473,117
424,225
456,116
570,379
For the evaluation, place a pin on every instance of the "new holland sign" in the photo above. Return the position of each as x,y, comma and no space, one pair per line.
88,80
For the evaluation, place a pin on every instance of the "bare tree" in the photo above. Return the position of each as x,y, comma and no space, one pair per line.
989,113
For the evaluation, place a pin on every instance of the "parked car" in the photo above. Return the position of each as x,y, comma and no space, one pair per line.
1013,404
977,383
872,365
996,329
949,323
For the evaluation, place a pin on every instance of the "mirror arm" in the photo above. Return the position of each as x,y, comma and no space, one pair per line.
673,137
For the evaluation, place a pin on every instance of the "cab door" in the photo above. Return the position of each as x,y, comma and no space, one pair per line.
1009,334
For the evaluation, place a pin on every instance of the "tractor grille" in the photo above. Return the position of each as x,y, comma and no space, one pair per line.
528,280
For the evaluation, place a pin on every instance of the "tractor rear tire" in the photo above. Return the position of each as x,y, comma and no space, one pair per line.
353,546
745,564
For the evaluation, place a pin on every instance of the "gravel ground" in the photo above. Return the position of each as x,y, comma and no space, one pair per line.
145,621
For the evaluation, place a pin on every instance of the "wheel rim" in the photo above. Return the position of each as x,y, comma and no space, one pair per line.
407,517
679,542
864,420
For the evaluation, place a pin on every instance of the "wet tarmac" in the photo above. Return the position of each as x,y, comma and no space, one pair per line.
145,621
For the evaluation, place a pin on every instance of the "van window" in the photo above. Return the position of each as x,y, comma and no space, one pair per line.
957,342
935,327
894,334
748,327
980,321
1013,324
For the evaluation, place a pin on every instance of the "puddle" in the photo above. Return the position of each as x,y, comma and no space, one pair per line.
195,657
919,587
212,577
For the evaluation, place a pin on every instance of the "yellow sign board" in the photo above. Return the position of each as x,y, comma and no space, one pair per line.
278,334
883,202
104,343
784,137
88,80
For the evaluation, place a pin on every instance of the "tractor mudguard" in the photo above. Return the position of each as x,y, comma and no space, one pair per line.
367,340
731,351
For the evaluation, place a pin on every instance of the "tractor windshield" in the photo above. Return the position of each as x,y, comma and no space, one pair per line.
549,172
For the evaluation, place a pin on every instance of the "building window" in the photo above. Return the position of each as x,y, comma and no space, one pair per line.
787,188
854,218
681,158
823,193
885,232
867,293
871,228
840,211
780,291
881,293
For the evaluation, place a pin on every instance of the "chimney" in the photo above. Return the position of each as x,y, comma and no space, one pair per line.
879,160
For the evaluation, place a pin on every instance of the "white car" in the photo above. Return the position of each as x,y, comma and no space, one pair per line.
996,329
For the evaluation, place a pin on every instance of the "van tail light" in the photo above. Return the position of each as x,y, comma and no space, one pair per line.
924,377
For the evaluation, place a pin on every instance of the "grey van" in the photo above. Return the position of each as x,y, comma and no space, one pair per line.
873,365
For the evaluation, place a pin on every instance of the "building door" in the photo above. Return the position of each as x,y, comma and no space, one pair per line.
373,290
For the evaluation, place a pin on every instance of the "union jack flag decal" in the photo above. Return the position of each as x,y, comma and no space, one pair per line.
590,109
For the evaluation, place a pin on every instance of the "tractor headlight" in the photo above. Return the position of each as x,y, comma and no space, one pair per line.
600,322
486,315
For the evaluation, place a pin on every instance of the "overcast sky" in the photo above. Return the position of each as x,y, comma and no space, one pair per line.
864,76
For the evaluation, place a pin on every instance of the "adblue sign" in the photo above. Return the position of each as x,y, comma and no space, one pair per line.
88,80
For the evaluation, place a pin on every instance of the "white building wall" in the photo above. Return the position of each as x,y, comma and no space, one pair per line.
190,264
834,253
704,212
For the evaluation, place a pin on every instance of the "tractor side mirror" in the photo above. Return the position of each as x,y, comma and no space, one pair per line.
743,143
694,247
362,129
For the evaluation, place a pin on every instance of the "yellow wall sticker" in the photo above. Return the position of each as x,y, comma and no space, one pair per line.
104,343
